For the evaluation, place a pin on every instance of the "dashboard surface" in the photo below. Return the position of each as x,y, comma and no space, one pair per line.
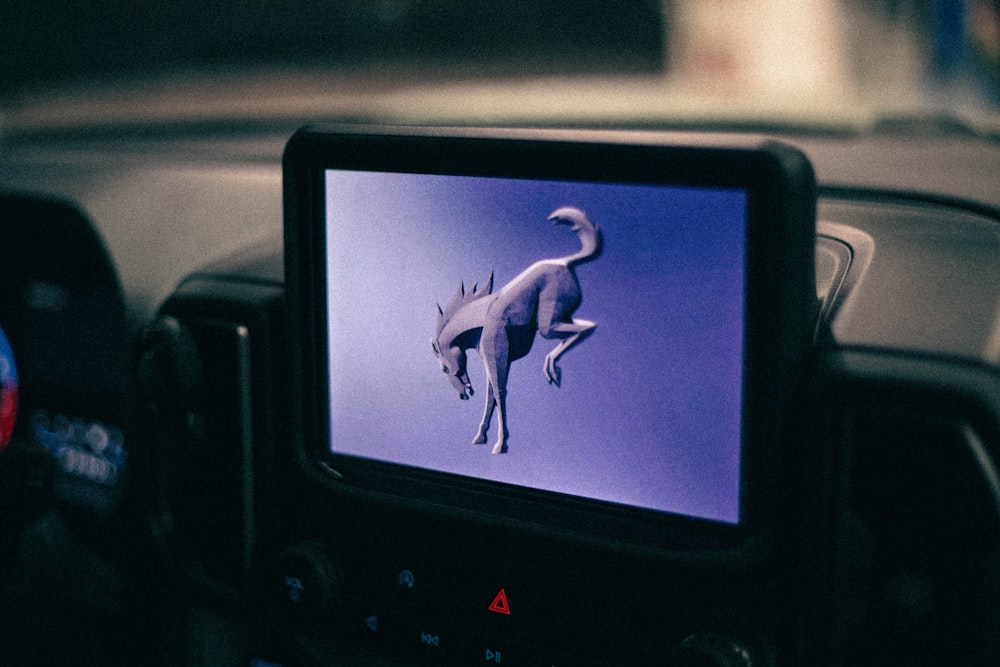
177,560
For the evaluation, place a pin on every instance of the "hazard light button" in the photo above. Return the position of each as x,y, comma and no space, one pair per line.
500,605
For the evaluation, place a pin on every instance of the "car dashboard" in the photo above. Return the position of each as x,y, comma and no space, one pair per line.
157,510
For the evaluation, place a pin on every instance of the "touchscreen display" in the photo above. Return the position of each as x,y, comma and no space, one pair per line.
601,323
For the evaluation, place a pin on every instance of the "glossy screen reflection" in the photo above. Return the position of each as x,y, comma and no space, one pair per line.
648,411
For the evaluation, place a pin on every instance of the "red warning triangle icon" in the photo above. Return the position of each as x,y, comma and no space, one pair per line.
499,604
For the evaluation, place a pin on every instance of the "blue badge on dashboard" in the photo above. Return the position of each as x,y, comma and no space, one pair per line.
92,451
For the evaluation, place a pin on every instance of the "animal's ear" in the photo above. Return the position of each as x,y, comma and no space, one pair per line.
488,287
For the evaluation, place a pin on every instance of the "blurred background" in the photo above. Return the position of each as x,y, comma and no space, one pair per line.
638,58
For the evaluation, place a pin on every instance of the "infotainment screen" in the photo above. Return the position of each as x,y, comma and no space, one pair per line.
568,321
643,405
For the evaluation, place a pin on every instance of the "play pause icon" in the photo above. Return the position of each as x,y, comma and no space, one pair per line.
493,656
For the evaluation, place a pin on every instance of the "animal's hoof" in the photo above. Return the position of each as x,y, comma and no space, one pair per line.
500,448
480,439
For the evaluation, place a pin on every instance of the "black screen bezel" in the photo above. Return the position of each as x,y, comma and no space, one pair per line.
779,305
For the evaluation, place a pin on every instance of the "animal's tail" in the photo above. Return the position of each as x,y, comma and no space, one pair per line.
591,241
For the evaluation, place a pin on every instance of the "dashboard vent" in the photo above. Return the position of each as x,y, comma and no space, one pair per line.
207,367
917,580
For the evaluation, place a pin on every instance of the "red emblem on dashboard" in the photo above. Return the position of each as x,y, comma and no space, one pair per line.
499,604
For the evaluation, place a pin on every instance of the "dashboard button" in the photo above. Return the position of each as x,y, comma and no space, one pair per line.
406,579
374,625
307,581
500,605
435,643
412,586
505,652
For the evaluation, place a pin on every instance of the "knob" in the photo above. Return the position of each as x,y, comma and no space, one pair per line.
306,582
710,649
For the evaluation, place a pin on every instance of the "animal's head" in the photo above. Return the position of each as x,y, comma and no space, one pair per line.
452,360
451,339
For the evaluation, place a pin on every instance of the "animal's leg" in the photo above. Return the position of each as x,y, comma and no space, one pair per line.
501,444
571,333
484,425
494,348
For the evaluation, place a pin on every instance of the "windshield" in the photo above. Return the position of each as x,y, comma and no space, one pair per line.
833,63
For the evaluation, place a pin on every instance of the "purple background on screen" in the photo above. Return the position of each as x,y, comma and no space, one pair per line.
648,413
